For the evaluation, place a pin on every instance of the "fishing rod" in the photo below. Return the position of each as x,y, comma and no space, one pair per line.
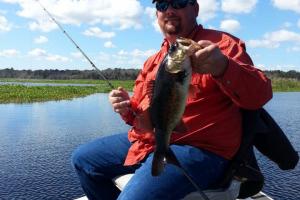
203,195
81,51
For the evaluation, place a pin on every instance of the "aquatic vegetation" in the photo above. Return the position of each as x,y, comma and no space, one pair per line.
25,94
29,94
285,85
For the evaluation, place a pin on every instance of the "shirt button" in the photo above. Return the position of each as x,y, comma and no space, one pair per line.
228,82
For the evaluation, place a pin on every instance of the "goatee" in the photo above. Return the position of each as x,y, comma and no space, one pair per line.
172,27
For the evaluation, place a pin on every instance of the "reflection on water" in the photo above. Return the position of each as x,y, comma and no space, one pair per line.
36,141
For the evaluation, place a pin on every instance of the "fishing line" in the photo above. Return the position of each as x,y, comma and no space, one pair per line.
81,51
173,160
203,195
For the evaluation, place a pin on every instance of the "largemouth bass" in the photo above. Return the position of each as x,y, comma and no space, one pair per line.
169,97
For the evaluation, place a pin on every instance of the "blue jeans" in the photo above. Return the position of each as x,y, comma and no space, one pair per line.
97,162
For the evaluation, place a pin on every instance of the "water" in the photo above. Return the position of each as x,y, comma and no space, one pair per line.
285,109
36,141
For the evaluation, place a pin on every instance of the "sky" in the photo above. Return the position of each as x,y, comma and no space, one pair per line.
123,33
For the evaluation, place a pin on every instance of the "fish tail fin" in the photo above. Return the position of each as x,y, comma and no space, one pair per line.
158,163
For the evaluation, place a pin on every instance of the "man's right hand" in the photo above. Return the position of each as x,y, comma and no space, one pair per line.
120,101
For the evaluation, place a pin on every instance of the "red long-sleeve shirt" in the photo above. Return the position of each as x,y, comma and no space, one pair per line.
212,117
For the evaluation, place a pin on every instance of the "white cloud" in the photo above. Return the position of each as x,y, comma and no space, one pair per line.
207,9
37,52
264,43
294,49
10,1
120,14
283,36
230,25
104,57
125,59
238,6
44,25
134,58
137,53
4,25
109,44
41,39
151,13
287,25
42,54
293,5
56,58
273,39
9,53
97,32
76,55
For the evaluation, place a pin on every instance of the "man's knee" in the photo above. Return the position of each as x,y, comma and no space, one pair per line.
78,158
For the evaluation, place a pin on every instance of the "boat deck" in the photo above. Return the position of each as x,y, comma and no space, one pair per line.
229,193
259,196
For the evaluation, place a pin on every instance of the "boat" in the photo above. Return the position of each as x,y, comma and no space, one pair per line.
233,189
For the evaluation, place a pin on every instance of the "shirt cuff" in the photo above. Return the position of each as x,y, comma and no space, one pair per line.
130,115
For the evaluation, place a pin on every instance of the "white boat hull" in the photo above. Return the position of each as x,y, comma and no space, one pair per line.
227,194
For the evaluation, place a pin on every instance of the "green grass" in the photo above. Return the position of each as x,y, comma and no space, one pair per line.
25,94
29,94
128,84
285,85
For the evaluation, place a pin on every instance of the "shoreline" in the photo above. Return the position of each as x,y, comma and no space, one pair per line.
67,89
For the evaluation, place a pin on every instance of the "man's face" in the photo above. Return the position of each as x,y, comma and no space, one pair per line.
178,22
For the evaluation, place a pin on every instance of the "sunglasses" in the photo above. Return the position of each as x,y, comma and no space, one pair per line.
162,6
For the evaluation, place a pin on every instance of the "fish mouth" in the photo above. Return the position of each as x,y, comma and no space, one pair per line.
190,46
184,42
175,61
175,58
179,51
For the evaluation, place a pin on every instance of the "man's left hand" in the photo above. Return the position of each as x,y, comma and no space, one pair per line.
209,59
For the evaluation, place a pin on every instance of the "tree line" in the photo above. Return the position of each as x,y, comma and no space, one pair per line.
112,74
292,74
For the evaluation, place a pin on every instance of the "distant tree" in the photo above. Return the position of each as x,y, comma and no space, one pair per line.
281,74
113,74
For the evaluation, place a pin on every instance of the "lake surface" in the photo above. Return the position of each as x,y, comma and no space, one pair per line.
36,141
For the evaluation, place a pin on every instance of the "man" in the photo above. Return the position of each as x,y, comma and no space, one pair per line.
223,81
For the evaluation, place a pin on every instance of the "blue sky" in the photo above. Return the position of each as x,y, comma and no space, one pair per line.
123,33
